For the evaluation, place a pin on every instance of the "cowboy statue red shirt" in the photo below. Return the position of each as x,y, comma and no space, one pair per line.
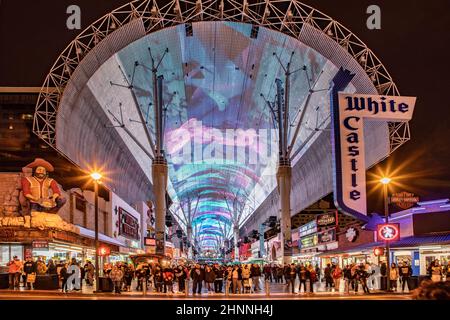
37,188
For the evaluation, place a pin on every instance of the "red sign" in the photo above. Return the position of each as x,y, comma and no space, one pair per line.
128,225
388,231
150,241
378,251
404,200
40,245
327,220
104,251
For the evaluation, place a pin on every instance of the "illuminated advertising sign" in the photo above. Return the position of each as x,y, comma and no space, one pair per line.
41,245
307,229
404,200
128,225
326,220
388,231
327,236
308,242
104,251
150,241
349,112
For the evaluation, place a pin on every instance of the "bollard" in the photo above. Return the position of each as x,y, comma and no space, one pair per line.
227,288
144,287
186,288
267,288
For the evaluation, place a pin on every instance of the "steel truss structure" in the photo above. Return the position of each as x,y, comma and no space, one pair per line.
286,16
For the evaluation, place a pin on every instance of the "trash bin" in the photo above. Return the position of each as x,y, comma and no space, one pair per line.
4,281
105,284
46,282
413,282
383,284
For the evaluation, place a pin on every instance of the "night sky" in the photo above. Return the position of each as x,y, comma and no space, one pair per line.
413,44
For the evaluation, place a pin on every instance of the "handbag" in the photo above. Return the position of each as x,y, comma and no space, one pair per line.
31,277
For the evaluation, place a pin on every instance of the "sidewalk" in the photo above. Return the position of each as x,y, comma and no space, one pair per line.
276,290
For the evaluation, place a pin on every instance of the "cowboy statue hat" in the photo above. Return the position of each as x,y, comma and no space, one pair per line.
38,162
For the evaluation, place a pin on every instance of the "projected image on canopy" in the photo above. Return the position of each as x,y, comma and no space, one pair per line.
220,141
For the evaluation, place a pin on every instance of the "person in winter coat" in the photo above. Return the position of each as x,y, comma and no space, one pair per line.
168,278
128,277
90,272
218,281
29,267
436,272
181,275
117,277
290,277
347,278
362,276
210,277
64,275
355,277
197,276
279,271
41,267
255,274
337,275
303,275
158,278
328,277
405,272
393,277
267,273
14,270
236,276
313,278
51,267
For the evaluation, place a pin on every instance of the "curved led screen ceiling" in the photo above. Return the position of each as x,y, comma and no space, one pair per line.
219,134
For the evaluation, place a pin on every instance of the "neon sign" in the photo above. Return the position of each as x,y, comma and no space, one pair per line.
349,112
388,231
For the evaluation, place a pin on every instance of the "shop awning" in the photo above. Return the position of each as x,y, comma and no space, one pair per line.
101,237
414,241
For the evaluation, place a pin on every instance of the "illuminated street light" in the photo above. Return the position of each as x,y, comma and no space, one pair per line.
96,177
385,181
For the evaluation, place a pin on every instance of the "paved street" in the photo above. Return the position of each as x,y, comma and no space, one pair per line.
277,292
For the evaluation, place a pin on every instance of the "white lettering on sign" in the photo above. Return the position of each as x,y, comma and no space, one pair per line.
349,148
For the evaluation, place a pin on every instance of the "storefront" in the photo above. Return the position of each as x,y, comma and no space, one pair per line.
9,250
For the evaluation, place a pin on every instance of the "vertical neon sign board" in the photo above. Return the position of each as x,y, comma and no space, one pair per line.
349,112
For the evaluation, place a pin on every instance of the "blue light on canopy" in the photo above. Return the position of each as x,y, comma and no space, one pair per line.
218,130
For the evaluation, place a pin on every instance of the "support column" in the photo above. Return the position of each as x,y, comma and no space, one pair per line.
189,240
284,188
262,250
160,175
236,248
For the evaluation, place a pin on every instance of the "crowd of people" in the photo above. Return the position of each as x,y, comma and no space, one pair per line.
25,272
217,278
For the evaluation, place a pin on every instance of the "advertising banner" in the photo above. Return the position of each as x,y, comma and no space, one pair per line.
128,225
326,220
349,113
327,236
307,229
404,200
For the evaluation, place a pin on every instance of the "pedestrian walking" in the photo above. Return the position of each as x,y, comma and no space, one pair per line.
393,277
117,277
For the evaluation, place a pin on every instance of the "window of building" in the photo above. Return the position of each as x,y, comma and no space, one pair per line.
7,252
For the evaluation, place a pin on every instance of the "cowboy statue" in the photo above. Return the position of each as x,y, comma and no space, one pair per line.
36,188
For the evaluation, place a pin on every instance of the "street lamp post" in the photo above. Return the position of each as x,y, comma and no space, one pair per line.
385,182
96,177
